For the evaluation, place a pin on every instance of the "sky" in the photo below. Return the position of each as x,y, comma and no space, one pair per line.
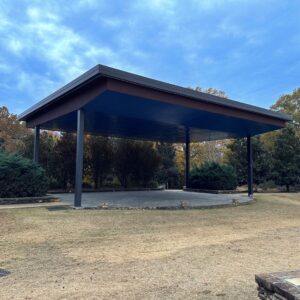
248,48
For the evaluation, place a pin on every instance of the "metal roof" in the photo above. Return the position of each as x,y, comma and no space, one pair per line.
104,71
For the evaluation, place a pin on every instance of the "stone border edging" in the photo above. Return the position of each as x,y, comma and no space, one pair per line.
213,191
166,207
25,200
278,286
109,190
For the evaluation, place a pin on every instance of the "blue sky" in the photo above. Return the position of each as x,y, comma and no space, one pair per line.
248,48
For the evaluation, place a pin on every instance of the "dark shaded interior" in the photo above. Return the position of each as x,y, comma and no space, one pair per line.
116,114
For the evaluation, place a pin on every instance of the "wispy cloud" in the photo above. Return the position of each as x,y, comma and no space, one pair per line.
247,48
43,36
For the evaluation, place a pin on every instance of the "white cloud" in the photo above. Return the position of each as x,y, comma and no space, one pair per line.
45,34
165,8
110,22
213,4
37,14
161,4
15,45
90,3
65,54
229,27
5,67
34,84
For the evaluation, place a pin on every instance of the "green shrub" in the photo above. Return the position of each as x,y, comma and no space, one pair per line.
152,184
213,176
267,185
20,177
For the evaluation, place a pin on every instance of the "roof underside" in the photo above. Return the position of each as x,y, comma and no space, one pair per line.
121,104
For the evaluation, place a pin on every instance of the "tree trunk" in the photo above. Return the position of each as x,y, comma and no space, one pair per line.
125,183
288,188
100,180
96,182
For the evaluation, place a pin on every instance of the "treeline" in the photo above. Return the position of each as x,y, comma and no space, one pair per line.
118,162
108,162
276,155
276,159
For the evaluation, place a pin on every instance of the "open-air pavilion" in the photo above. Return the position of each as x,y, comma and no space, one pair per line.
110,102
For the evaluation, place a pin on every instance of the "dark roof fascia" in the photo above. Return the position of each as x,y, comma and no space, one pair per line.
104,71
66,89
186,92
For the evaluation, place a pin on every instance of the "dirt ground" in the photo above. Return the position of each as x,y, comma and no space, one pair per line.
143,254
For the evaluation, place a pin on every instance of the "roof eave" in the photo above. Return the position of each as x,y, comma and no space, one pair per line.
104,71
68,88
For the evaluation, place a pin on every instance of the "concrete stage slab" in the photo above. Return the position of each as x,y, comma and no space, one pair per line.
154,199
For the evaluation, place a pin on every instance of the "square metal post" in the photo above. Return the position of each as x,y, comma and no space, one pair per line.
36,144
250,166
187,158
79,158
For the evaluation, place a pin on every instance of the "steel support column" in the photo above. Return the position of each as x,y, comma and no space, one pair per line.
187,158
79,158
250,166
36,144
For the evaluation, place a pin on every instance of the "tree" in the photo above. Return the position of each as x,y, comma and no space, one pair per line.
211,91
289,104
12,132
123,160
199,153
20,177
167,172
99,158
284,144
213,176
135,161
213,151
46,153
202,151
286,158
65,158
236,156
146,162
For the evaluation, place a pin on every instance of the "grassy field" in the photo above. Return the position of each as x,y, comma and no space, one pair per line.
142,254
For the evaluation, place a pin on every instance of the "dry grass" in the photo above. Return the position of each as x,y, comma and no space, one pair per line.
136,254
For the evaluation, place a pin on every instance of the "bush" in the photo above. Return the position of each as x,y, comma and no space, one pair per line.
267,185
152,184
20,177
213,176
